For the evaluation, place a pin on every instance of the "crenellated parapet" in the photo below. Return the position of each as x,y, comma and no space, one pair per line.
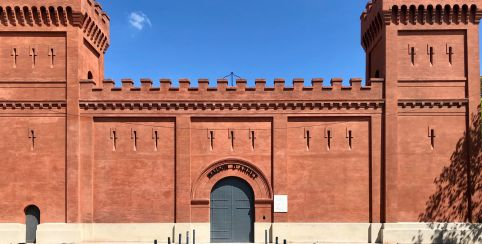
372,23
379,13
231,97
58,15
96,25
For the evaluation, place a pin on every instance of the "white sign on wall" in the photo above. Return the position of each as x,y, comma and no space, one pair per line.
280,203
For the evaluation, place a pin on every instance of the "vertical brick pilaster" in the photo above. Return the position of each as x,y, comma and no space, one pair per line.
183,169
473,110
376,167
390,118
279,162
72,122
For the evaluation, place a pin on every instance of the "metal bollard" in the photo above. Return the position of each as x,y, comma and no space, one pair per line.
169,240
193,236
265,236
284,241
155,241
187,237
180,239
276,240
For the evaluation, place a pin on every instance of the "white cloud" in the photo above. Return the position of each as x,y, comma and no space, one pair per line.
139,20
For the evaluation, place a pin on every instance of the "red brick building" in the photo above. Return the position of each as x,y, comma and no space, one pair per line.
395,160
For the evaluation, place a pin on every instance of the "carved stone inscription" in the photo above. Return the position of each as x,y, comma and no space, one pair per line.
232,166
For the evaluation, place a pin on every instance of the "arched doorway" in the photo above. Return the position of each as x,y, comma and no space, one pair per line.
32,220
232,211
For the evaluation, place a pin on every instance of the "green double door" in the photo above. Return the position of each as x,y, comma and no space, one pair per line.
232,211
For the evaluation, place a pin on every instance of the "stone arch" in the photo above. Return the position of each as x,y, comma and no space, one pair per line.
231,167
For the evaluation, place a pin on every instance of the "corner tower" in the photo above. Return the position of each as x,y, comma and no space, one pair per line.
52,40
46,47
428,53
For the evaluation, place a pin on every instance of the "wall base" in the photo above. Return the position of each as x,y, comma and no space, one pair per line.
432,233
322,232
59,233
12,233
390,233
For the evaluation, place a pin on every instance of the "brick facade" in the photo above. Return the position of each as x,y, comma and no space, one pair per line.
85,151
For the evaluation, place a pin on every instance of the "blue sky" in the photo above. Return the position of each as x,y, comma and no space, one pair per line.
252,38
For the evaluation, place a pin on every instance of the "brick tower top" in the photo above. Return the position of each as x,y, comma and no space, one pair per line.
45,40
416,12
25,15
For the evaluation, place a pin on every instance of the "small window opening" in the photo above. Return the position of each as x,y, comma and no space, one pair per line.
307,137
134,139
231,137
252,136
113,137
52,57
211,139
350,139
377,74
14,55
412,55
328,136
32,137
155,137
431,53
33,54
432,138
90,76
450,53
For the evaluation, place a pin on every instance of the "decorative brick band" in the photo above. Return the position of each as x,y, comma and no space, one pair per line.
32,105
432,103
229,105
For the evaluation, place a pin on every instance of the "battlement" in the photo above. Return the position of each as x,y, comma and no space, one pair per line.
373,7
57,15
379,13
372,91
96,25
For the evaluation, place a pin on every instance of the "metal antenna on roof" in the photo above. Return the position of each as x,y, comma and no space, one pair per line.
232,75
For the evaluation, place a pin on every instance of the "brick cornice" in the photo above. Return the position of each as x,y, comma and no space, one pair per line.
238,105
